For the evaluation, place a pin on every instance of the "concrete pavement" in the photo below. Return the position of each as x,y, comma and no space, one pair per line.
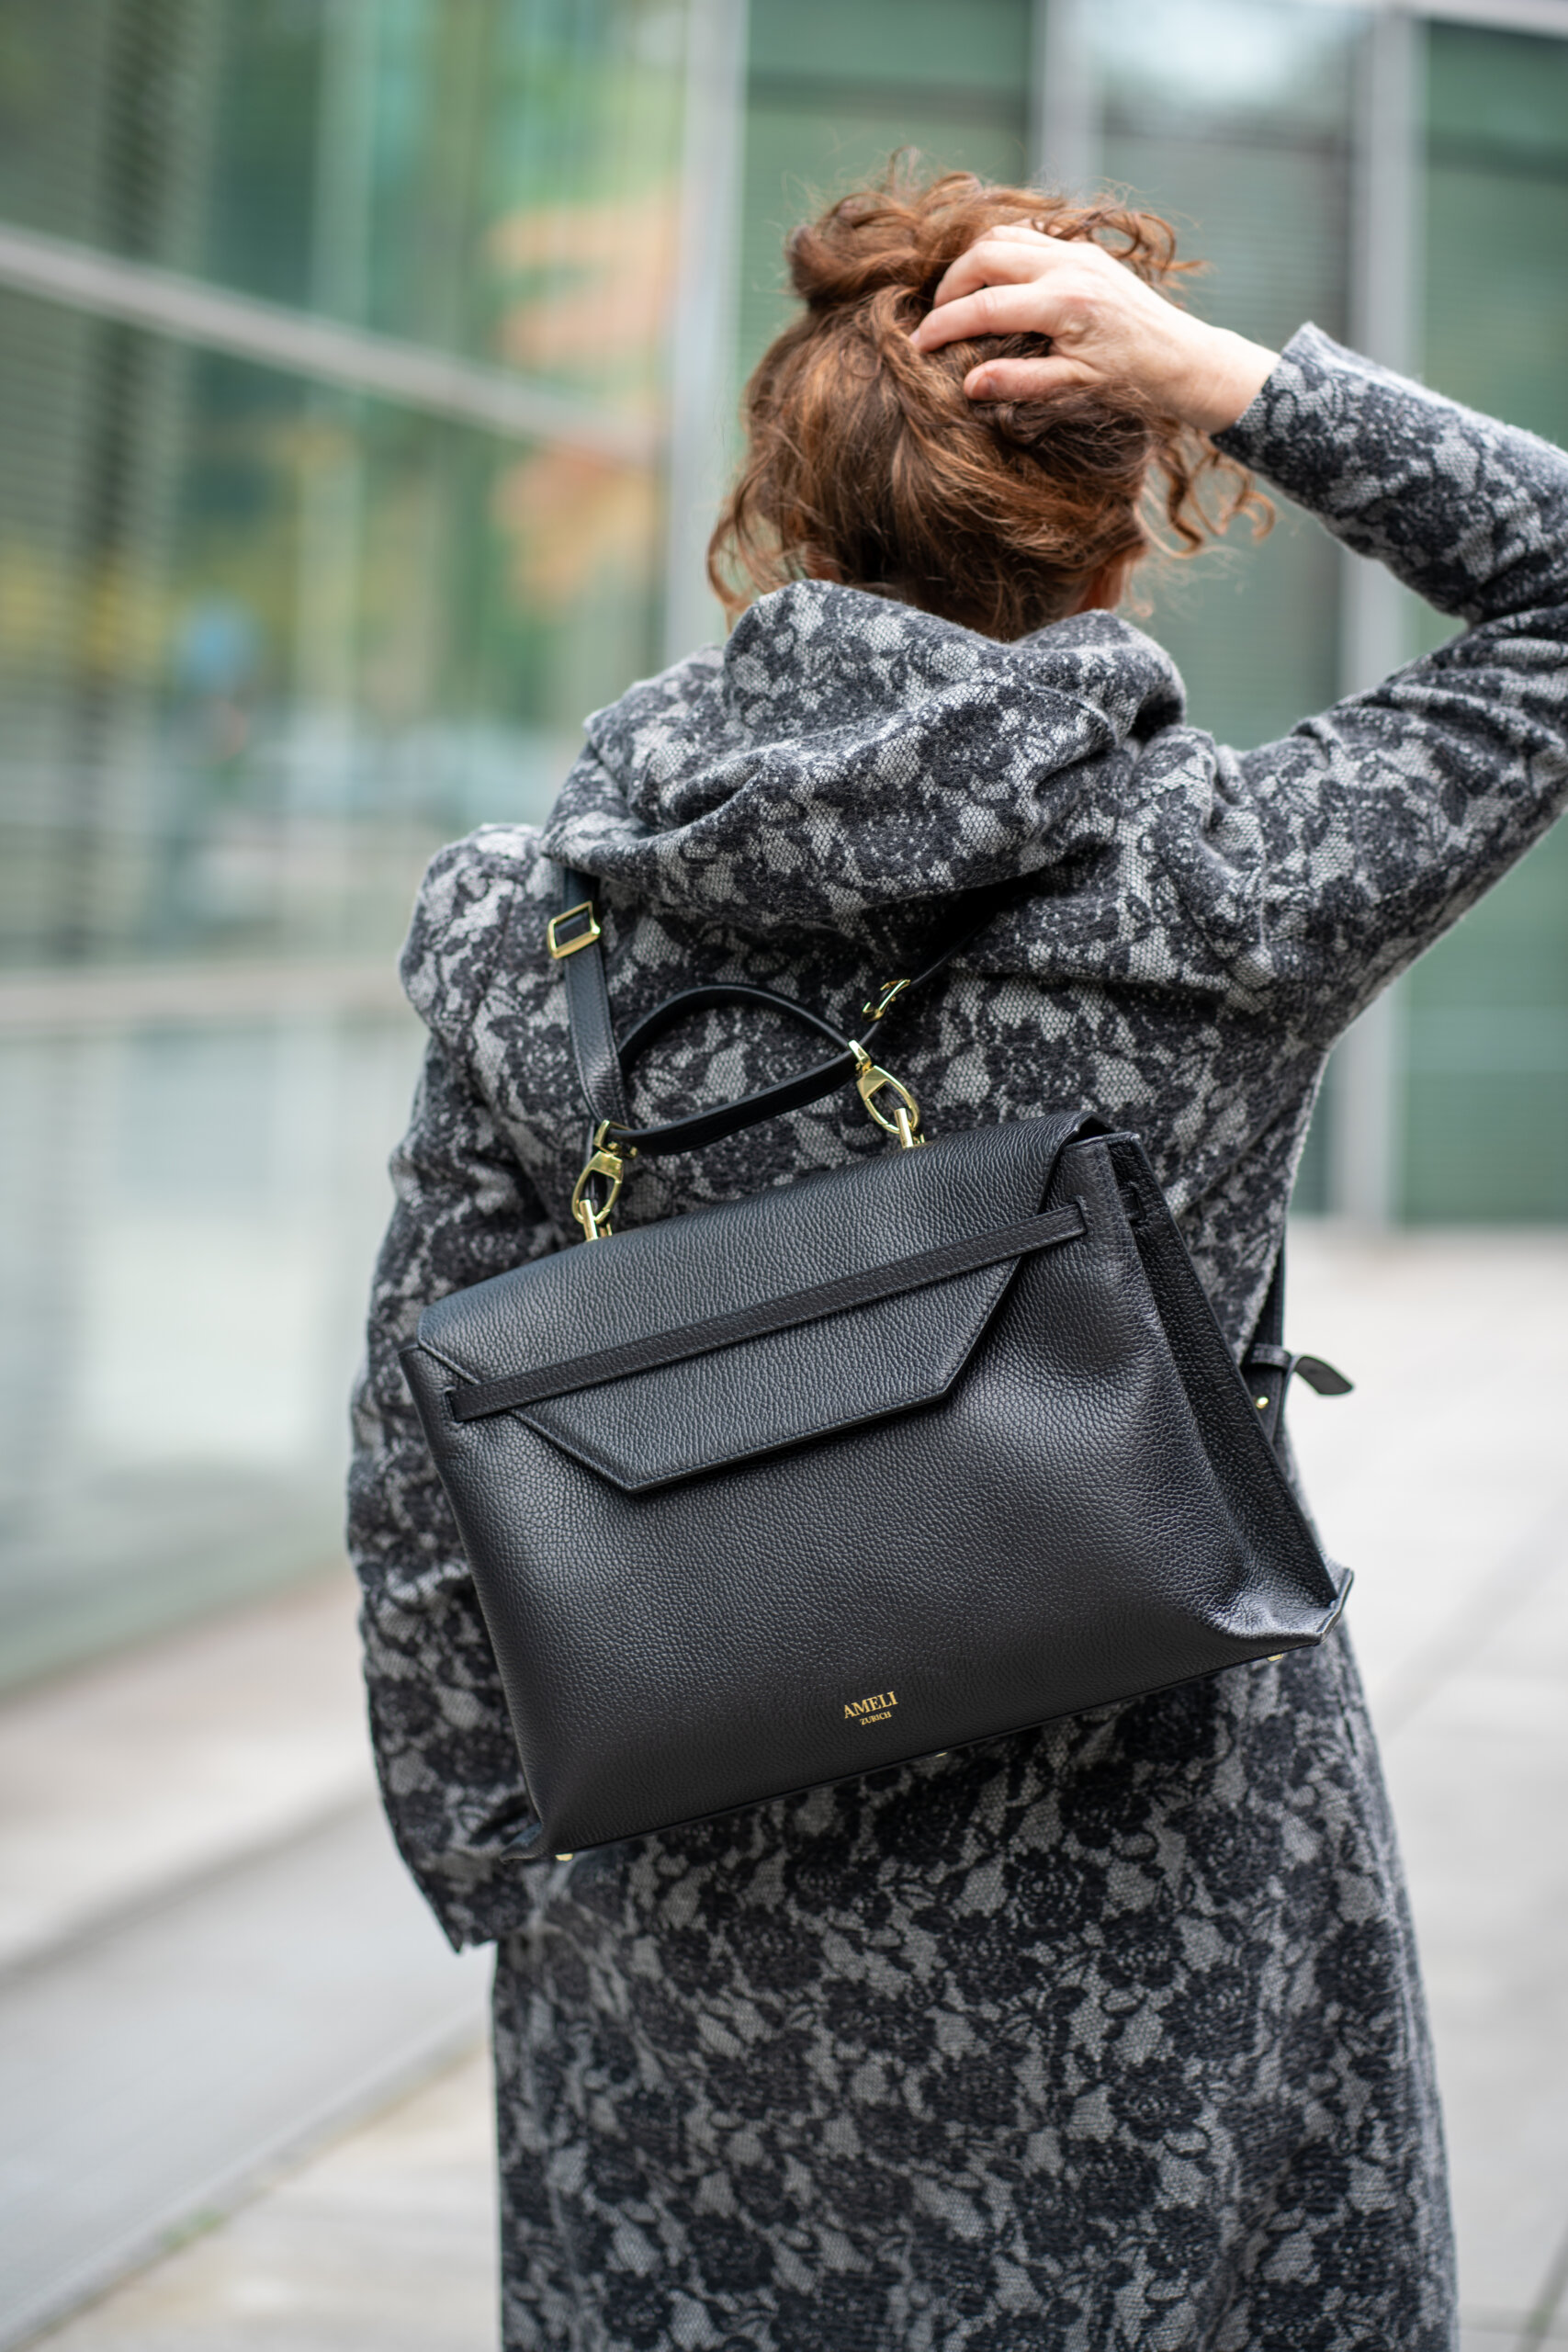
384,2243
1444,1482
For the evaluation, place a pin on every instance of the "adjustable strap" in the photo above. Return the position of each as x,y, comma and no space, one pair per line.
572,936
1268,1366
982,911
970,1256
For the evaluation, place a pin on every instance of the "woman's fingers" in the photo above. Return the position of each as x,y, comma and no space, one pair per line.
1030,308
1024,379
1103,323
972,269
1011,254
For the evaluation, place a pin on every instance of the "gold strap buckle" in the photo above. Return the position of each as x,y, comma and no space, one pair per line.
869,1081
558,946
593,1215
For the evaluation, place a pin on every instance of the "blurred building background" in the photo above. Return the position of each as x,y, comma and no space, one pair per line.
368,370
365,371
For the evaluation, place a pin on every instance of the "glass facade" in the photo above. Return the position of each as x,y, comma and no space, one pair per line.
342,405
265,641
1235,122
833,91
270,640
1484,1070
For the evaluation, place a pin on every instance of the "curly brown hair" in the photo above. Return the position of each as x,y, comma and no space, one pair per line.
866,463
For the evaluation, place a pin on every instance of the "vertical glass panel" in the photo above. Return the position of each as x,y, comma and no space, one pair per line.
105,108
834,91
1232,118
263,645
272,644
1488,1009
184,1213
497,178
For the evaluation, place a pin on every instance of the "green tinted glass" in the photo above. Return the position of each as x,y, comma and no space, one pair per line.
278,645
1234,121
265,642
1487,1020
834,91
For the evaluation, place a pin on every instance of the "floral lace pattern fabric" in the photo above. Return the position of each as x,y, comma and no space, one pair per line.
1109,2036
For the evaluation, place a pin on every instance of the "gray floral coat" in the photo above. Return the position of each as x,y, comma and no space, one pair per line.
1110,2036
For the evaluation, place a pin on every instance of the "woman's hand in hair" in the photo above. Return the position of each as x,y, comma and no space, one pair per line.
1105,326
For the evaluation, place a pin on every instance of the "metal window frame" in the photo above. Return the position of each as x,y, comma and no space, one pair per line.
321,350
703,322
1366,1123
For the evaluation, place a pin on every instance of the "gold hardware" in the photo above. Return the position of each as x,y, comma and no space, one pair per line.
868,1083
1275,1658
572,1856
1261,1403
886,996
593,1215
558,946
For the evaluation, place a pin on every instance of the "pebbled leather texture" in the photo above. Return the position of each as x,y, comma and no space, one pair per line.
953,1513
1002,1246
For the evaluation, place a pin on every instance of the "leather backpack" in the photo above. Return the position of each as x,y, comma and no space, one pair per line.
902,1455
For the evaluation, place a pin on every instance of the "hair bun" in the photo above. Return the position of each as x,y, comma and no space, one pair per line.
868,243
867,464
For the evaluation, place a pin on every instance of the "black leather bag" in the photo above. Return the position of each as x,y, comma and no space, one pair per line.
906,1455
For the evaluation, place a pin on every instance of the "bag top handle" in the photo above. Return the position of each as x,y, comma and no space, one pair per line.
573,936
572,939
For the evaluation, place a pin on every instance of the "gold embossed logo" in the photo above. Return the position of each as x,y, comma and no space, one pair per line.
878,1710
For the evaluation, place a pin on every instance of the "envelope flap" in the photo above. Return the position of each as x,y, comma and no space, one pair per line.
759,1394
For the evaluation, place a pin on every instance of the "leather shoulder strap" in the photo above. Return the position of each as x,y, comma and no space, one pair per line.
574,943
1268,1366
1270,1331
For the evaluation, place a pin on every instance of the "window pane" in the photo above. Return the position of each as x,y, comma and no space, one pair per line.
496,179
271,644
835,91
1234,121
263,645
1488,1009
185,1214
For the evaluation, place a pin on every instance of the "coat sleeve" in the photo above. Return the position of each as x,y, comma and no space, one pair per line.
1371,829
463,1210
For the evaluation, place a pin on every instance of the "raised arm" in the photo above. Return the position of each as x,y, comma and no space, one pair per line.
1321,864
1386,816
1105,326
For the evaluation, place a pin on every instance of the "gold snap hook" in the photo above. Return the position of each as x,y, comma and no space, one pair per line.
593,1215
869,1081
